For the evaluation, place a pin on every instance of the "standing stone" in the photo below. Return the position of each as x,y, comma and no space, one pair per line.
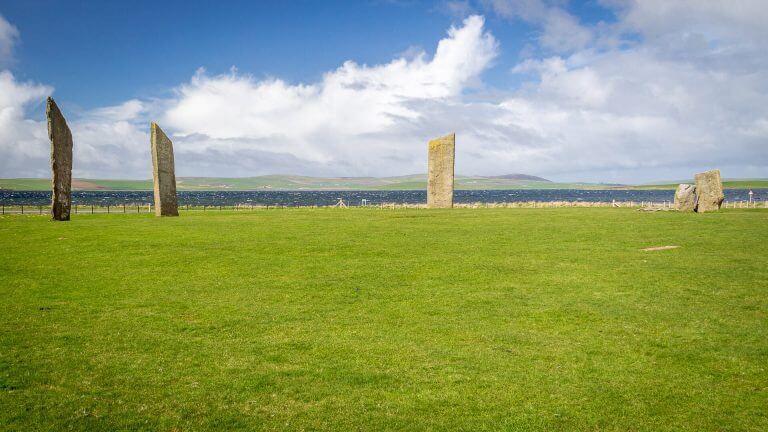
442,153
61,162
163,173
685,198
709,191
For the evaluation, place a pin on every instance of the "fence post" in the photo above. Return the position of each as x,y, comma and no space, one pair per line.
107,208
123,208
3,208
22,209
91,208
40,209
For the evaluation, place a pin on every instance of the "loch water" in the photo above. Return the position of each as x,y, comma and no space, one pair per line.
355,198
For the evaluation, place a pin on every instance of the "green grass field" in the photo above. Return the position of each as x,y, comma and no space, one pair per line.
360,319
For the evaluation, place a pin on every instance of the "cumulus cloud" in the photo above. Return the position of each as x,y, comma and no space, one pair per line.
9,34
655,94
354,118
109,142
680,92
112,142
559,30
22,140
358,120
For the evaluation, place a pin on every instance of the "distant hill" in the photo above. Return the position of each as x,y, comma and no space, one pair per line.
292,182
728,183
520,177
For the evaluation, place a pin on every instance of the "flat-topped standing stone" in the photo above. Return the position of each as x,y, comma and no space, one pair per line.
163,173
61,162
442,152
685,198
709,191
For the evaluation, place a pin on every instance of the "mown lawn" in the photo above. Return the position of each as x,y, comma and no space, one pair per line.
356,319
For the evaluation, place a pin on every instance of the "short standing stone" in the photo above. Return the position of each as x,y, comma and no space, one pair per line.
685,198
442,153
61,162
163,173
709,191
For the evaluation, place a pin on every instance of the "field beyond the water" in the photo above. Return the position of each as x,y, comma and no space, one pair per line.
367,319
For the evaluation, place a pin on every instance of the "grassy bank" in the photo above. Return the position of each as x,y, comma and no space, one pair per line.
727,184
549,319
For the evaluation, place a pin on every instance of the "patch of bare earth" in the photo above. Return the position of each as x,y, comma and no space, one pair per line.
85,185
659,248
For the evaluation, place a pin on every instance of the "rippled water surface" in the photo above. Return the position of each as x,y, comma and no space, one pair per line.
322,198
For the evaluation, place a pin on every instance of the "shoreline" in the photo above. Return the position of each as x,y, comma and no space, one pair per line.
138,208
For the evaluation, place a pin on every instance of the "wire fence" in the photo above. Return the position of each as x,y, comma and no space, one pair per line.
78,209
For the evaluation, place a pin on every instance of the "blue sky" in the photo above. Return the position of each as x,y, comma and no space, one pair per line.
606,90
108,51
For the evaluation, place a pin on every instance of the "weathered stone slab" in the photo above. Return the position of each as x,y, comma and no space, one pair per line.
163,173
61,162
442,154
685,198
709,191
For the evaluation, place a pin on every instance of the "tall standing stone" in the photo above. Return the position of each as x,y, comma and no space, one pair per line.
61,162
442,153
685,198
163,173
709,191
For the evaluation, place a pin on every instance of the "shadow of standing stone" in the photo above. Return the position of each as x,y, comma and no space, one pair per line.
61,162
442,153
709,191
163,173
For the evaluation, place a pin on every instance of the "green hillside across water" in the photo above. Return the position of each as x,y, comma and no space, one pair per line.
727,183
291,182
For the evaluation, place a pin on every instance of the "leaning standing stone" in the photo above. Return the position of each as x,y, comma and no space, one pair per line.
163,173
440,172
709,191
61,162
685,198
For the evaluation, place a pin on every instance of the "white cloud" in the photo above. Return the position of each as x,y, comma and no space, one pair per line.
560,31
112,142
109,142
458,8
738,22
685,96
353,118
658,94
8,37
22,140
